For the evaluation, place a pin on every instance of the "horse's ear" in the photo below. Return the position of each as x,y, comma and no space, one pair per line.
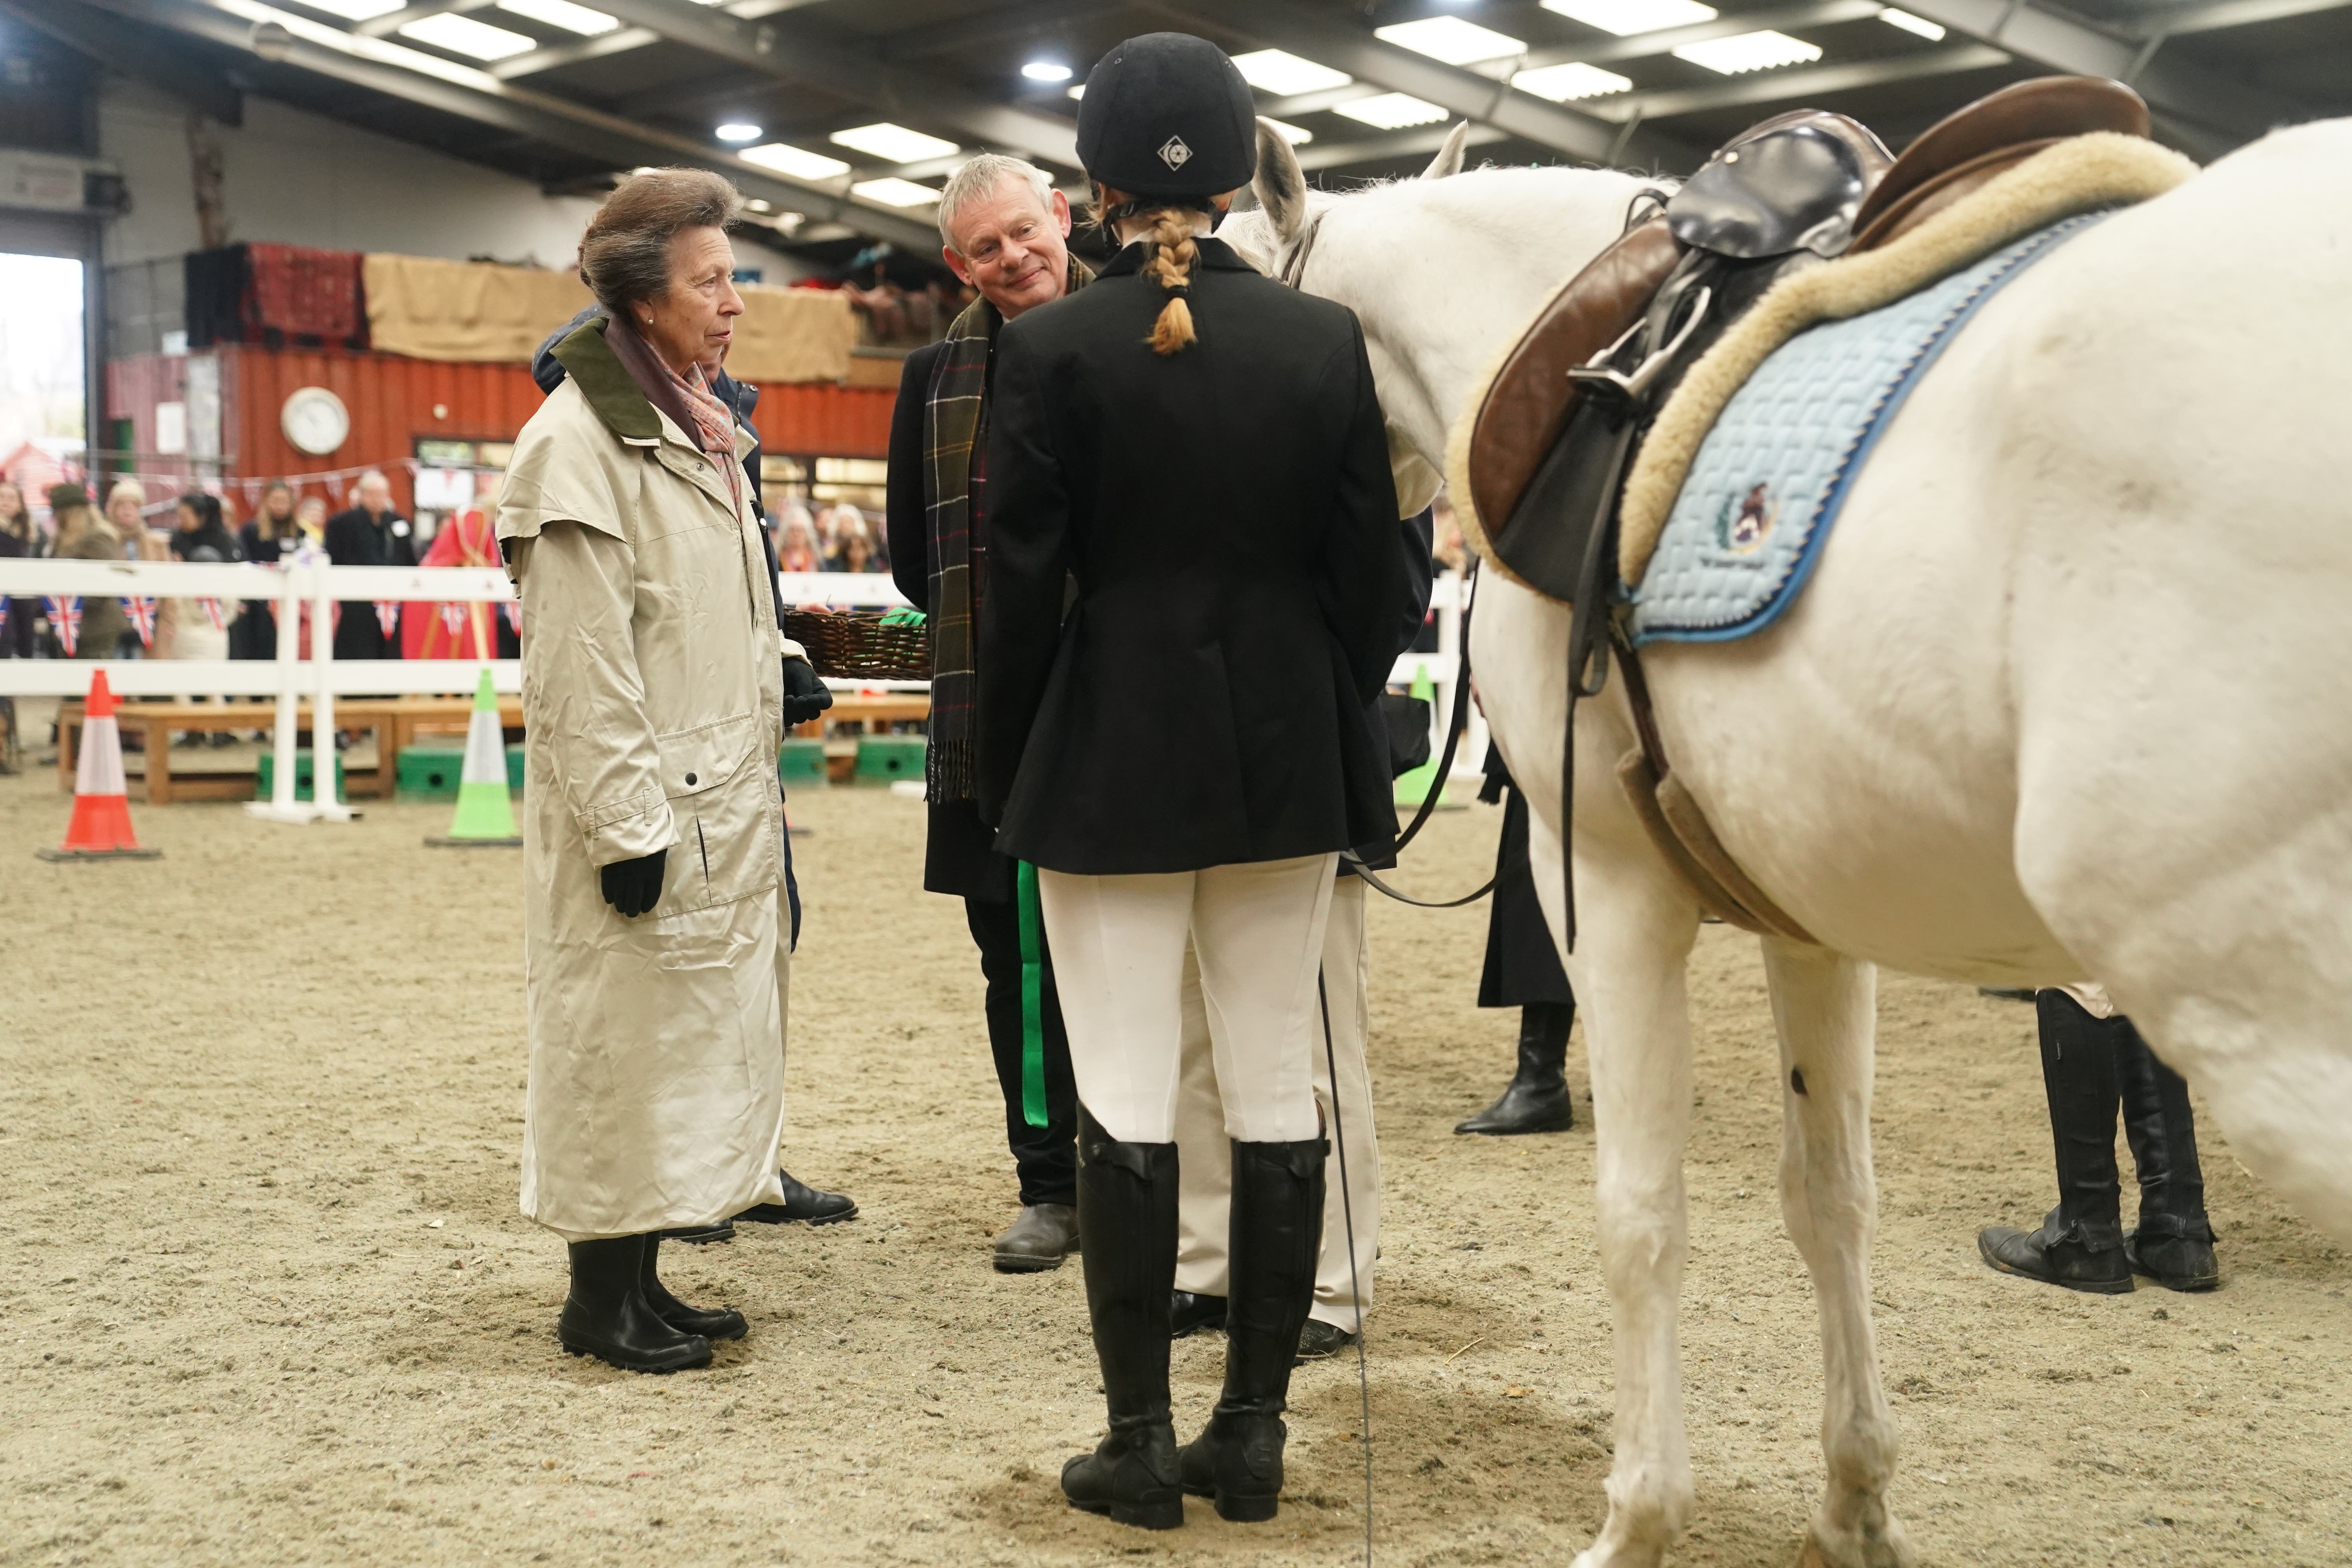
1280,184
1449,153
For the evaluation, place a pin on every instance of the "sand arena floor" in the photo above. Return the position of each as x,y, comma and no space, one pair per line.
264,1297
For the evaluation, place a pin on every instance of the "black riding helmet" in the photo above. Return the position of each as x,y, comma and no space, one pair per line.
1168,116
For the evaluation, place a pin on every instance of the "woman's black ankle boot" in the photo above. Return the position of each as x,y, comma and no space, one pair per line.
606,1314
1274,1239
1127,1239
1537,1099
710,1322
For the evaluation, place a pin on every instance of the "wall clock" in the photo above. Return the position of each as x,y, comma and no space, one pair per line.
315,420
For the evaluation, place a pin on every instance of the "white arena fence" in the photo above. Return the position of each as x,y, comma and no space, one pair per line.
289,677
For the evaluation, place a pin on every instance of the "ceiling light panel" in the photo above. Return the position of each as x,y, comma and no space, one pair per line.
1910,24
796,162
463,36
1451,39
357,10
1627,18
1391,110
1281,73
1565,84
896,193
893,143
563,13
1749,52
1296,135
1047,70
740,130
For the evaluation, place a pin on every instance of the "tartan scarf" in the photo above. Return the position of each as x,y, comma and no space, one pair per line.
955,418
714,426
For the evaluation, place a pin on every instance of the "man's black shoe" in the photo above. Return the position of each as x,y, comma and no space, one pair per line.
1319,1341
1187,1313
801,1203
702,1235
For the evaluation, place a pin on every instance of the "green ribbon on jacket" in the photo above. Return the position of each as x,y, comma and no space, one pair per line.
1033,997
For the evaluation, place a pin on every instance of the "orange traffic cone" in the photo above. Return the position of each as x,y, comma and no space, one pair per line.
100,828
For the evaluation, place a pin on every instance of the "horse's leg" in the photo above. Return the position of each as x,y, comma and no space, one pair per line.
1635,924
1823,1006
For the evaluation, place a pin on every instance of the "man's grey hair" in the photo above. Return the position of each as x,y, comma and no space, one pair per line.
979,178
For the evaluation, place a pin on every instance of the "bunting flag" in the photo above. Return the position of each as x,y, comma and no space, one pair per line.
513,607
141,612
64,619
453,618
4,602
212,614
387,616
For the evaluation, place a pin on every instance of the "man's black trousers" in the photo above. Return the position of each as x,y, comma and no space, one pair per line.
1048,1156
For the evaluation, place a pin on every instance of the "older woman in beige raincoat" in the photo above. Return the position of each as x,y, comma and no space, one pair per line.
657,952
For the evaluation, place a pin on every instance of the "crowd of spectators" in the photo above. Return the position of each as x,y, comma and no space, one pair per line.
836,538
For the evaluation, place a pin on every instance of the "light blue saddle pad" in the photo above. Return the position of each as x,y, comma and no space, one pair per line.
1770,477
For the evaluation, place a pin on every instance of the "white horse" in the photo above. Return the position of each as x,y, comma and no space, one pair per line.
2067,697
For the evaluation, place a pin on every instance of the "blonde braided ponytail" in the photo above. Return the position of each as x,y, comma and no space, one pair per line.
1172,256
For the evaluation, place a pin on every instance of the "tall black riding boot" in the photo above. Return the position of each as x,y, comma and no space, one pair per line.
2174,1242
1537,1099
1275,1236
710,1322
2081,1242
607,1315
1127,1231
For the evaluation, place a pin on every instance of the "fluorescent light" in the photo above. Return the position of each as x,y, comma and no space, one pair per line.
738,131
1748,52
793,160
1391,110
357,10
1451,39
1282,73
895,192
563,13
1627,18
1910,24
1293,134
895,143
1079,90
1045,70
1563,83
463,36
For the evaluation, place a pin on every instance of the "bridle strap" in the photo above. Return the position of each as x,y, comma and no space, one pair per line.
1293,266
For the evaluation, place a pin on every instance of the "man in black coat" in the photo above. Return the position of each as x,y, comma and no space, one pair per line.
370,534
1006,231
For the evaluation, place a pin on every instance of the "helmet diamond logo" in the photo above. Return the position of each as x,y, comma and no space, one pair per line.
1174,154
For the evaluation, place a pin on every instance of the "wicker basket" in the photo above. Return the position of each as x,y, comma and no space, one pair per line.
854,644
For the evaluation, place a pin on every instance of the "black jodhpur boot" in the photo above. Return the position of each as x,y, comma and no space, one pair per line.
2174,1242
1276,1237
710,1322
2079,1245
1537,1099
1127,1227
606,1313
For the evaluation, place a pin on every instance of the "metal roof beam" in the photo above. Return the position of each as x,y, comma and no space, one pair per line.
2232,14
1788,86
832,68
1418,142
392,21
476,95
620,40
133,52
1010,22
1319,36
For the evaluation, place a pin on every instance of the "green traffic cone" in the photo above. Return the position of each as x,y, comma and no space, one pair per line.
1414,787
485,814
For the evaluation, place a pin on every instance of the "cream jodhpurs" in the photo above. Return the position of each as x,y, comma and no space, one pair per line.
1118,945
1205,1160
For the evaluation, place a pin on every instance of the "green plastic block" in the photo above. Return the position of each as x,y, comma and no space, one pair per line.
265,778
801,764
432,773
886,759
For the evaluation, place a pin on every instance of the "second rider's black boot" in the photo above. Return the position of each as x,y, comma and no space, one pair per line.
1127,1242
2174,1242
1537,1099
606,1313
710,1322
1275,1236
2081,1243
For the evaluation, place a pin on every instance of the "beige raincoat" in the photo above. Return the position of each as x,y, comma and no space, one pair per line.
652,696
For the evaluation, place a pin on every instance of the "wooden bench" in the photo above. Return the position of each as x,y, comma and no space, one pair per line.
157,722
882,708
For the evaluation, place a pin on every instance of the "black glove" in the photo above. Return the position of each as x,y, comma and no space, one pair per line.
805,695
633,887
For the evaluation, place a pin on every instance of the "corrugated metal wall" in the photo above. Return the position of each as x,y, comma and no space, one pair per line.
395,401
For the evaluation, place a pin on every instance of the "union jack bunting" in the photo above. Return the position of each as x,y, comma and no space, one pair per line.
387,616
453,618
514,616
141,612
64,619
4,612
212,614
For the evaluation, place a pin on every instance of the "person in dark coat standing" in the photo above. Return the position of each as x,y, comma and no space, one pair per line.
1007,234
370,534
1193,587
1523,971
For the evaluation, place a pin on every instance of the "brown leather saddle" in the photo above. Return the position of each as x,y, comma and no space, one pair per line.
1552,437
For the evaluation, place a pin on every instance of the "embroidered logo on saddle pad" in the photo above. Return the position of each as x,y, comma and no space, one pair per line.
1772,474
